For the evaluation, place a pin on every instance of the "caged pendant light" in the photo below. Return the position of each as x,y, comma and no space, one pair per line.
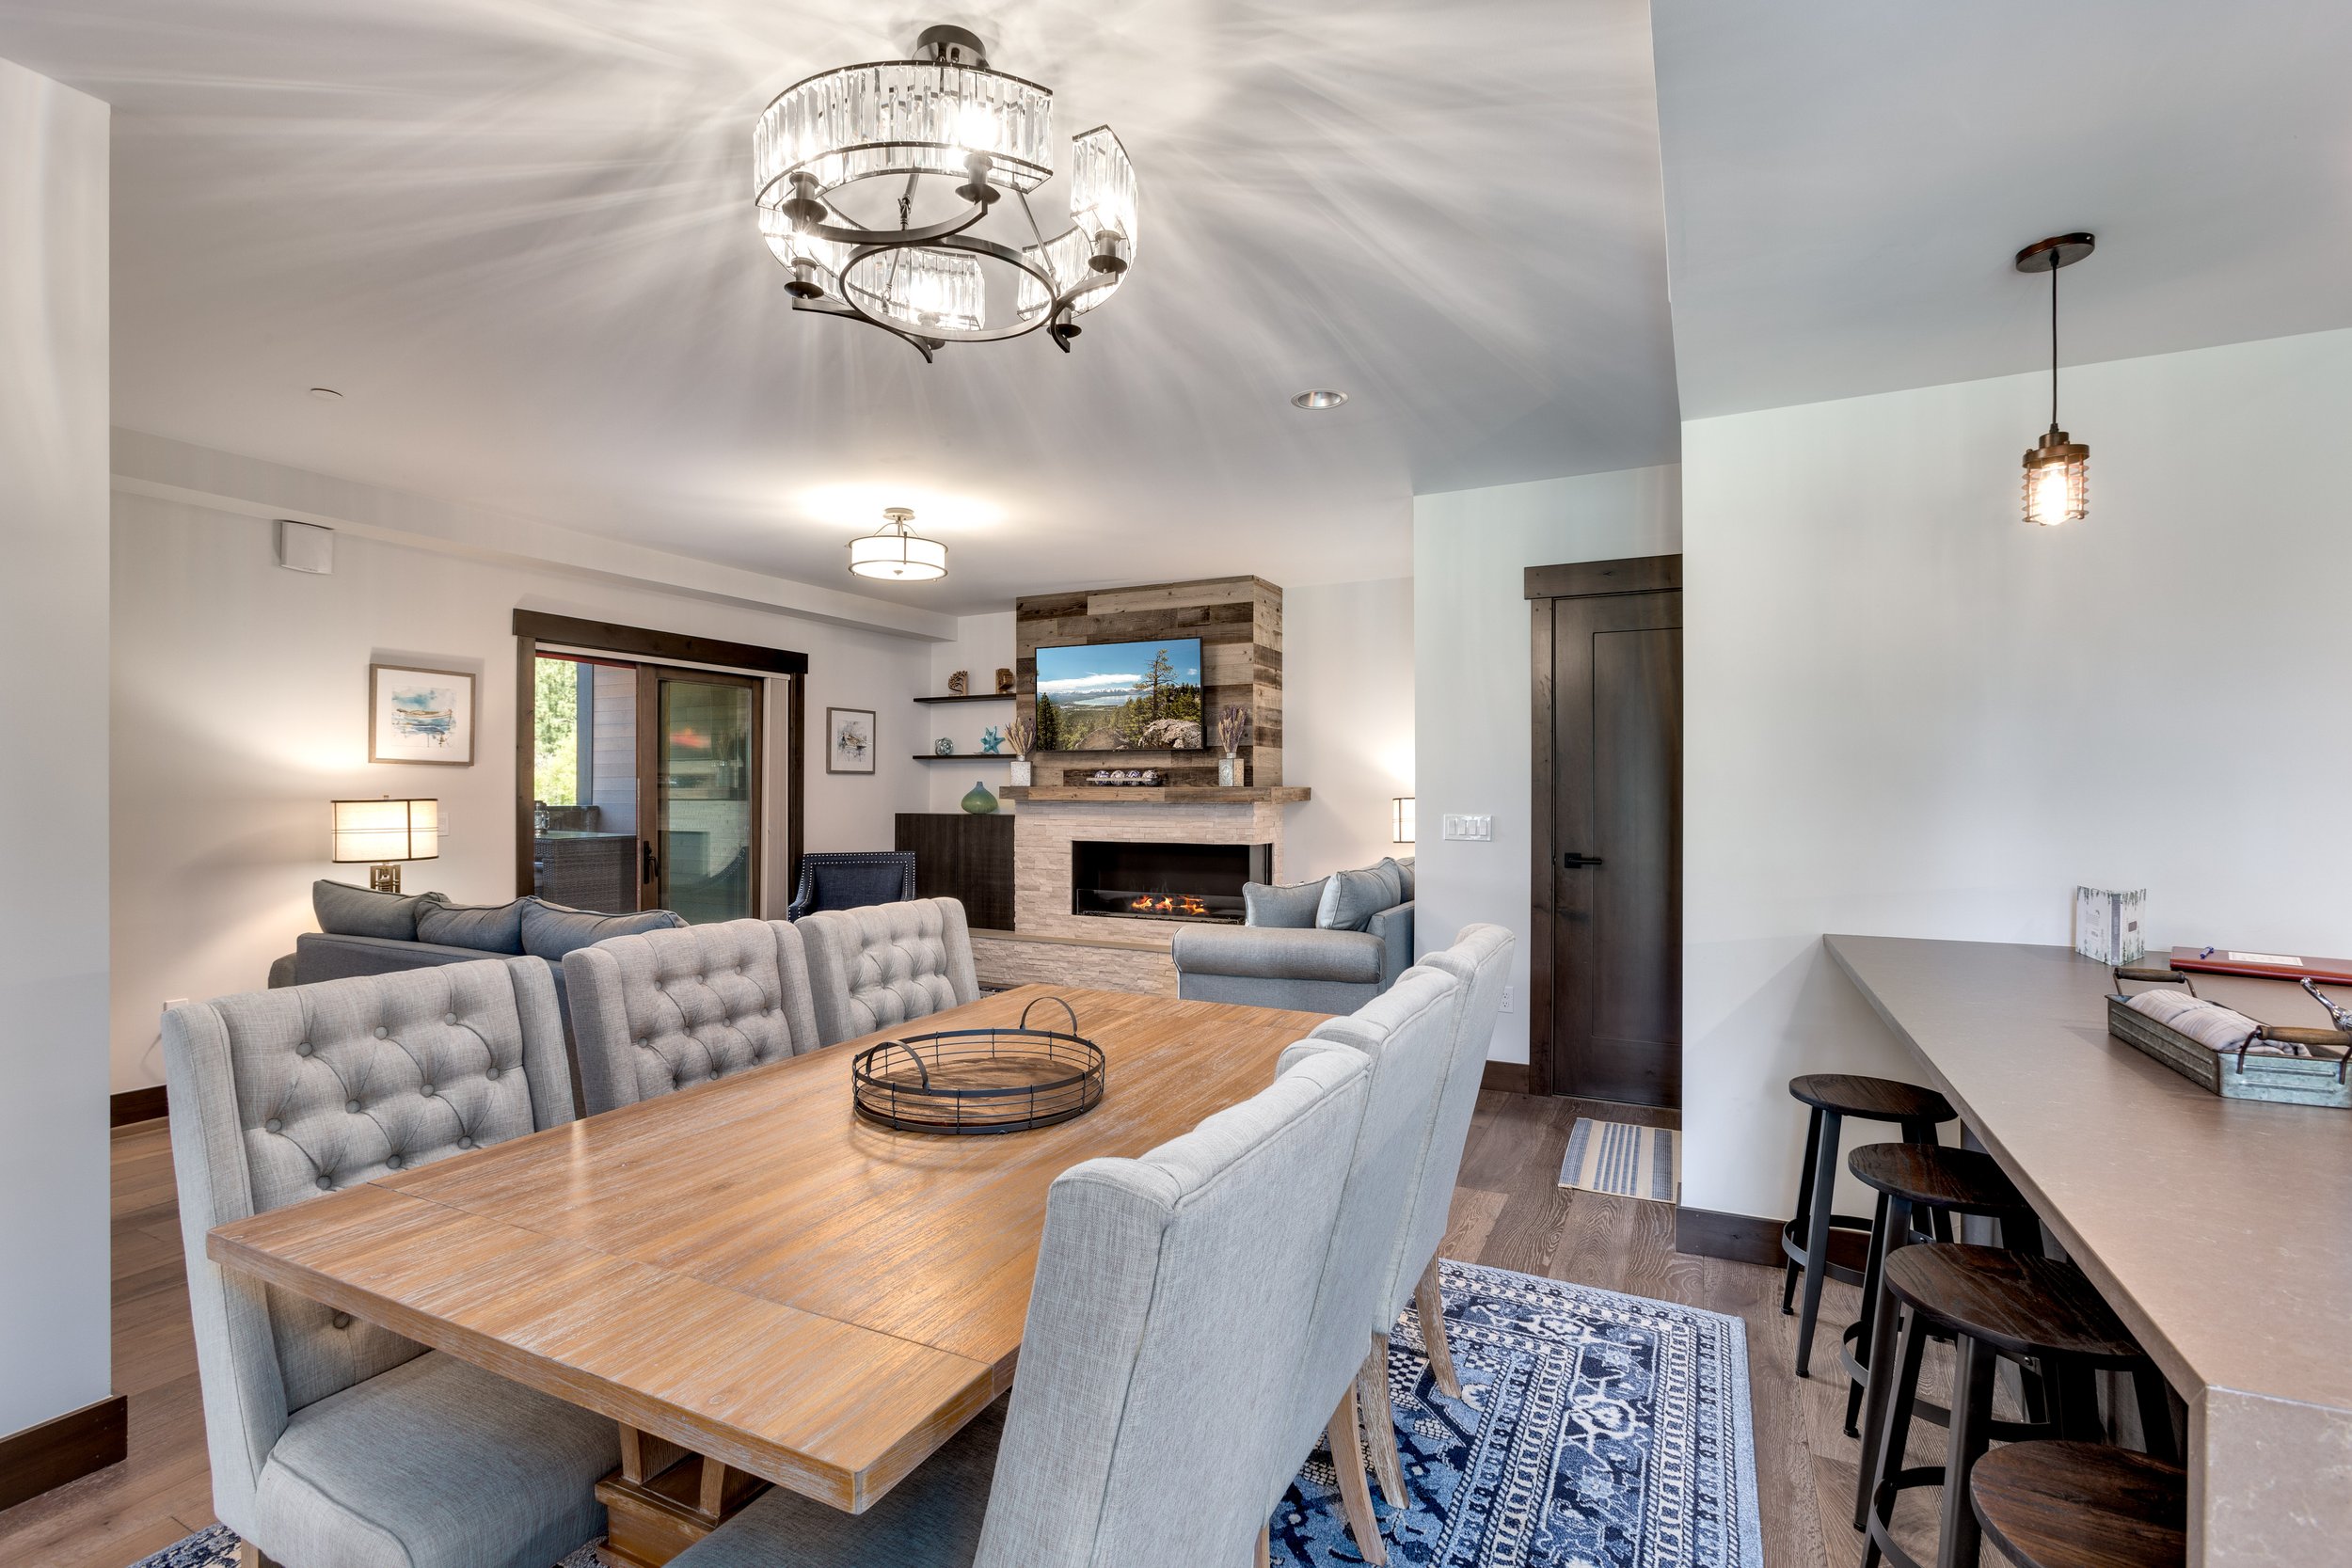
2058,469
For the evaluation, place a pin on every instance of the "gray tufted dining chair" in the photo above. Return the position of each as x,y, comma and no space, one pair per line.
333,1441
1479,962
657,1012
1407,1036
886,964
1147,1427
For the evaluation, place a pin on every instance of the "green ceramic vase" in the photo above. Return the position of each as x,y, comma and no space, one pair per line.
979,803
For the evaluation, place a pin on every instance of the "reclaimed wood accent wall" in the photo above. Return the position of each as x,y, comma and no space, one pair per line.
1239,622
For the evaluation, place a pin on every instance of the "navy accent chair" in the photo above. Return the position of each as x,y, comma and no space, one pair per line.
851,879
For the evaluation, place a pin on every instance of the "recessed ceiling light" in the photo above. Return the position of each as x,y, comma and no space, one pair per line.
1319,399
326,394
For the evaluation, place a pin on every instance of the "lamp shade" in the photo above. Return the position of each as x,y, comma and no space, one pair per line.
1401,811
896,553
386,830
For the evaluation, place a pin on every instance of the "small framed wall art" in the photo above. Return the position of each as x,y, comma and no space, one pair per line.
419,716
848,740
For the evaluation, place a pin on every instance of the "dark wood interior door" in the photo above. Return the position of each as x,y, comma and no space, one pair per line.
1606,1021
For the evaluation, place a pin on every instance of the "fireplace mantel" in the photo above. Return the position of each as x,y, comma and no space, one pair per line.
1161,795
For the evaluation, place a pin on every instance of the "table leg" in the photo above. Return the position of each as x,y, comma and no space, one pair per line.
664,1499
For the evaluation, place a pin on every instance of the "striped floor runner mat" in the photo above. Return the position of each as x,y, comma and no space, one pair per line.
1620,1158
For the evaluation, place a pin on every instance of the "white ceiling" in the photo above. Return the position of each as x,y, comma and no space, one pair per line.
517,235
1847,181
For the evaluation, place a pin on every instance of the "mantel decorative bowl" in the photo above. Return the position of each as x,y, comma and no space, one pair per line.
970,1082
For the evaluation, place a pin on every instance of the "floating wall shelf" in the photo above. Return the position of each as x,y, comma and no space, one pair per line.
975,697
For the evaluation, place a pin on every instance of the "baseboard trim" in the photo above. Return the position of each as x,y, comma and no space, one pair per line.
66,1448
135,1105
1510,1077
1741,1238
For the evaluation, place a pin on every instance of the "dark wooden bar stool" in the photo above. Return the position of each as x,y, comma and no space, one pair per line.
1912,1180
2082,1505
1995,1303
1818,1242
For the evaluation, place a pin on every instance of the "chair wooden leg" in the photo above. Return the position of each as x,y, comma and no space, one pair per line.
251,1555
1371,1393
1431,1306
1347,1458
1265,1547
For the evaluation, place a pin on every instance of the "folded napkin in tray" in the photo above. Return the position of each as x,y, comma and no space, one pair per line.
2208,1024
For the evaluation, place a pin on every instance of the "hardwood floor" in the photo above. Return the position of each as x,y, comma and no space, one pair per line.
1508,1211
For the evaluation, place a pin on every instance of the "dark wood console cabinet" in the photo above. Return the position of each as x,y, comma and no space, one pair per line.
966,857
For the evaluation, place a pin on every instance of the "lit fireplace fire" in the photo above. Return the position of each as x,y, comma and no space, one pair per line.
1180,904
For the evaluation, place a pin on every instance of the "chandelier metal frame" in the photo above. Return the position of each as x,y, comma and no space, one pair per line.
794,208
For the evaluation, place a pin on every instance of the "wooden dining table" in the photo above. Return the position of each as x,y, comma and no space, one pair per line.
755,1283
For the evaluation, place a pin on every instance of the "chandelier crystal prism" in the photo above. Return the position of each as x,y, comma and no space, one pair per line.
872,180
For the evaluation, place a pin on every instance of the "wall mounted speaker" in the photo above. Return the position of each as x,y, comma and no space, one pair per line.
305,547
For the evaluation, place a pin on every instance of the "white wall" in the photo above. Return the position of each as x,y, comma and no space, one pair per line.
53,1312
1348,721
1910,713
982,646
1473,700
239,710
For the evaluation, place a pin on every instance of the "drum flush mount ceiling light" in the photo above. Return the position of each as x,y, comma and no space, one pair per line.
871,179
2058,470
896,553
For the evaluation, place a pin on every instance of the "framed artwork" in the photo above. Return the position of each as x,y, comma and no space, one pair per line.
419,716
848,740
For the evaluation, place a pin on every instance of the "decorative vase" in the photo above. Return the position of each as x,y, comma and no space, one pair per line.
1229,771
942,747
979,803
1021,771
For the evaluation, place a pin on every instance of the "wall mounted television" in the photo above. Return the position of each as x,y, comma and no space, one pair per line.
1120,697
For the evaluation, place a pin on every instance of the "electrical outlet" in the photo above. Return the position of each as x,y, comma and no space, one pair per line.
1477,829
1506,999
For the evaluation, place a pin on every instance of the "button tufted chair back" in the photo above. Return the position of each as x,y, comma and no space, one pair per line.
661,1011
888,964
279,1095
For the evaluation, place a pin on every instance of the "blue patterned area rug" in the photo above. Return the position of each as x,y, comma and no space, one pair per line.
1596,1431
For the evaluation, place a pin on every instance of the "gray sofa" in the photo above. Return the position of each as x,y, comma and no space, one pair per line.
1325,946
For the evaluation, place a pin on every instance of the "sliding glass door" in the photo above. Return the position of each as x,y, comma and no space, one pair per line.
701,763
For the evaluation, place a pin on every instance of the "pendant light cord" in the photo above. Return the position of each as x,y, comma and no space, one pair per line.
2054,271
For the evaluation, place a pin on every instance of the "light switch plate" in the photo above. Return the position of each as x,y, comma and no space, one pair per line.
1481,829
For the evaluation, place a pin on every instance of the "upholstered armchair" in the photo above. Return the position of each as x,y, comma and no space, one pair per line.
851,879
872,968
333,1441
658,1012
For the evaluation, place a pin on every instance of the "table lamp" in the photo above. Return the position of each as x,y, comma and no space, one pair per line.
381,833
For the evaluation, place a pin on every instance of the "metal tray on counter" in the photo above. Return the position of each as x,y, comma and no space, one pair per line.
2284,1080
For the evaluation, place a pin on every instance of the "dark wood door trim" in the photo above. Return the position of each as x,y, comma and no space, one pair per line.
1544,586
670,646
534,629
1585,579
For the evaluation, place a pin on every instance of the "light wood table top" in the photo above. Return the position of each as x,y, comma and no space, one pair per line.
2219,1229
747,1269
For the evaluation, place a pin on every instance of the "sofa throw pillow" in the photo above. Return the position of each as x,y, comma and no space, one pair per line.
551,930
1351,898
1404,869
486,927
346,911
1291,907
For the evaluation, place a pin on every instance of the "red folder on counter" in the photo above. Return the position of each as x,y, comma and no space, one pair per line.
2267,966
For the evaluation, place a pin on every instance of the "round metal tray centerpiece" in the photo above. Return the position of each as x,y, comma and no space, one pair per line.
976,1081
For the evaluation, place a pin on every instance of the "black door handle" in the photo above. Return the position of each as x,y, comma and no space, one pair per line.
652,860
1572,860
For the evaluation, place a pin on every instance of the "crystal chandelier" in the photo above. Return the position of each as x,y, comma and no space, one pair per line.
2058,468
901,253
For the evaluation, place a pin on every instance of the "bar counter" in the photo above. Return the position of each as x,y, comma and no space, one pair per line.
2219,1229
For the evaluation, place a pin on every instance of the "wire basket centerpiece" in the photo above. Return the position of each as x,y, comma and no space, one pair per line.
975,1082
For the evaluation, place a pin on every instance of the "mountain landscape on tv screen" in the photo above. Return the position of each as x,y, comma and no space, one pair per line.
1119,697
